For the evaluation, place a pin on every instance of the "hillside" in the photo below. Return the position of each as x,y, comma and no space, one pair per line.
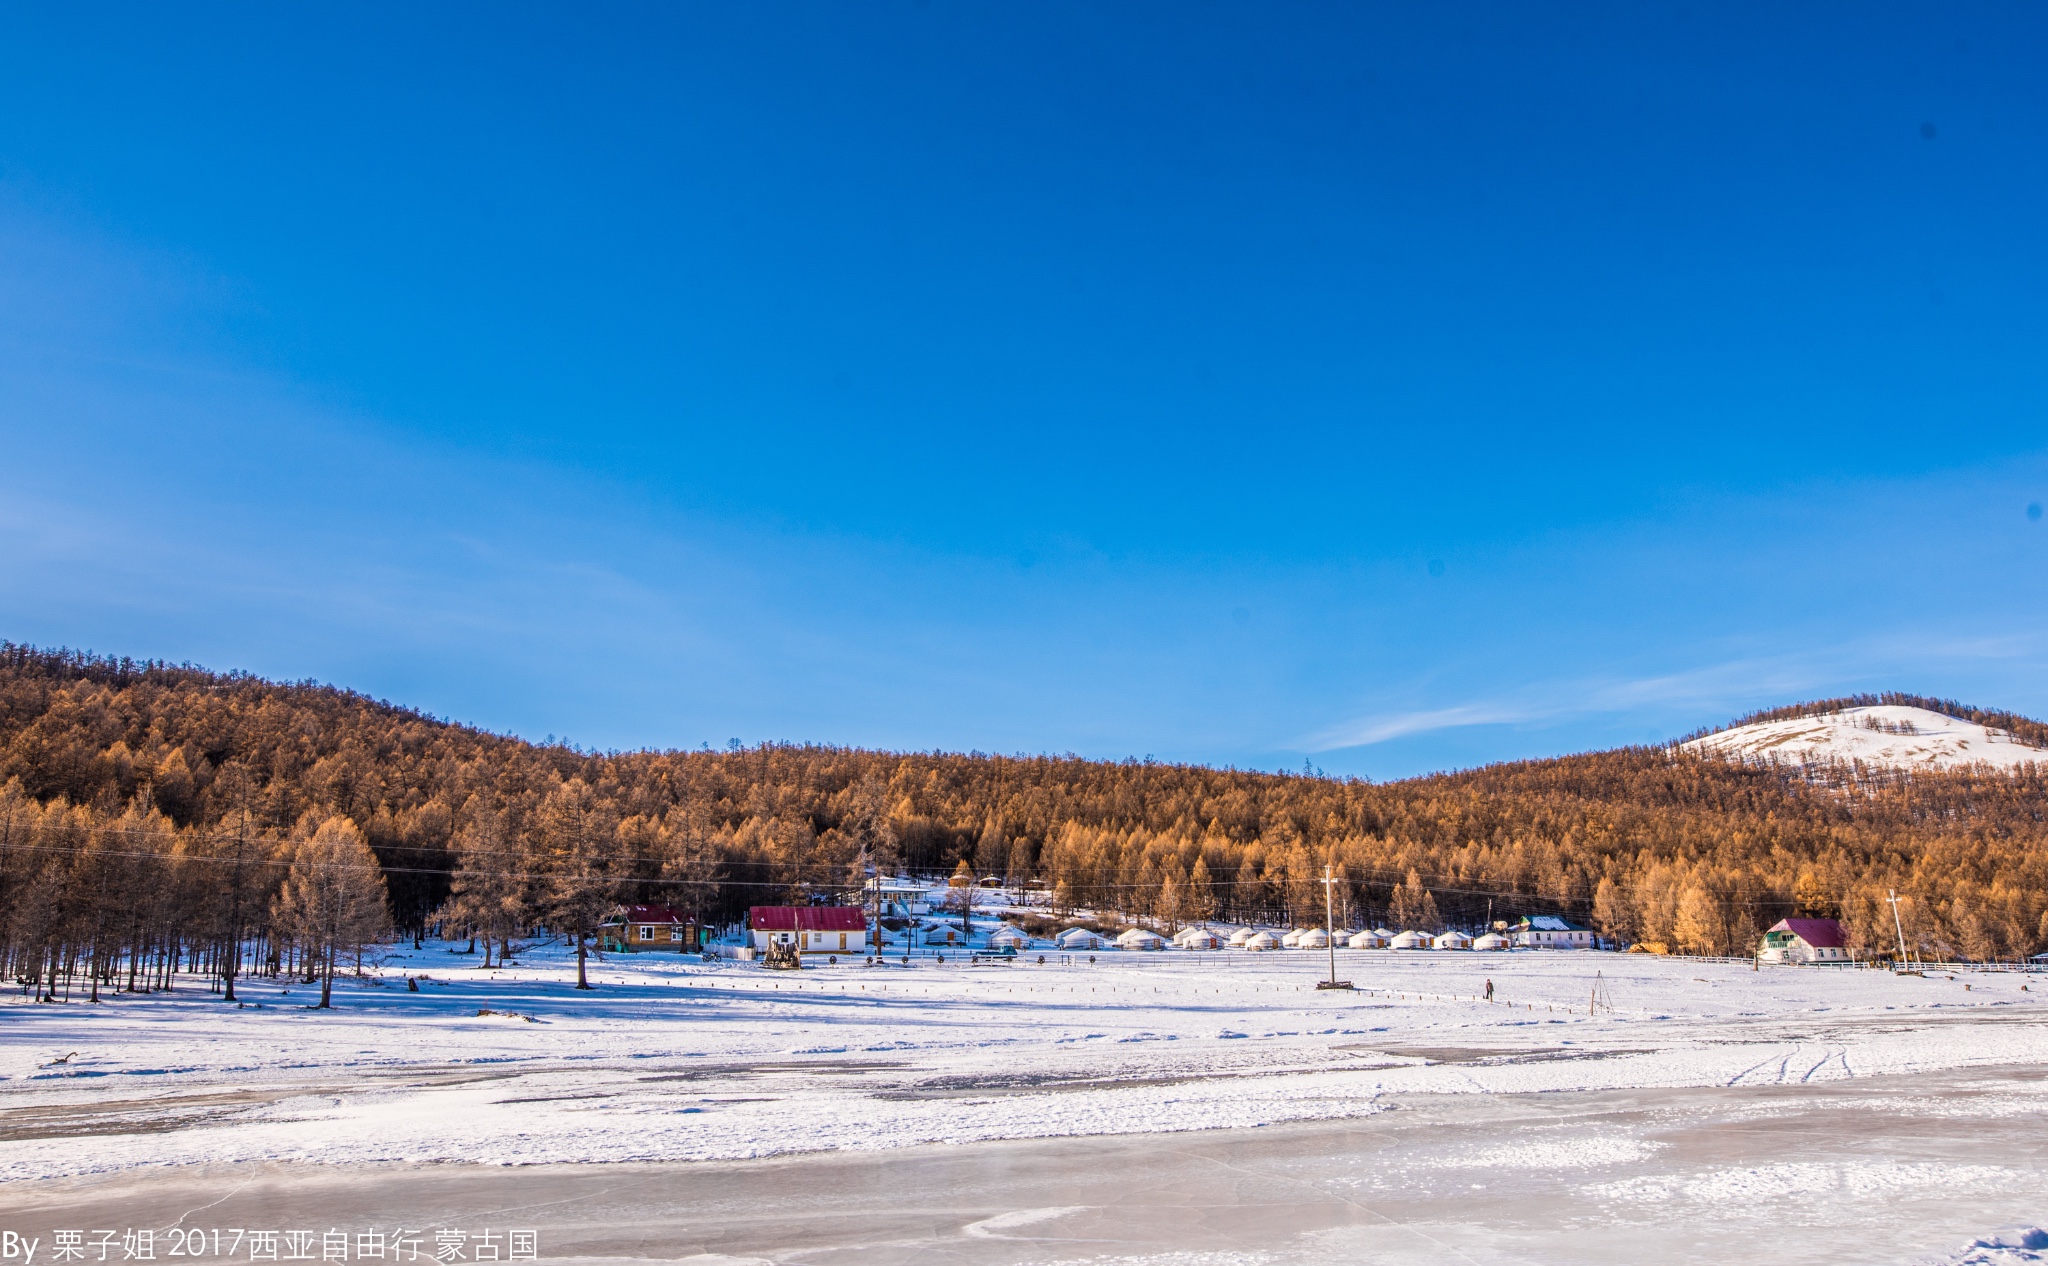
150,809
1883,736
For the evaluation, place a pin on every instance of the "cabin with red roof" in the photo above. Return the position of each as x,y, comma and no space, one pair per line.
635,929
1804,941
812,929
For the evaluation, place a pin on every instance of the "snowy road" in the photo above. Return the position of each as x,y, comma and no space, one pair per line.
672,1060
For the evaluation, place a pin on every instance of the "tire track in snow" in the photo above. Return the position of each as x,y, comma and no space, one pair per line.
1736,1080
1824,1061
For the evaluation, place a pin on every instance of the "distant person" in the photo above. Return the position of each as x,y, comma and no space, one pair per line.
1489,991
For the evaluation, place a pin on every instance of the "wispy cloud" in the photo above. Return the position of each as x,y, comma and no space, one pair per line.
1365,731
1727,687
1723,684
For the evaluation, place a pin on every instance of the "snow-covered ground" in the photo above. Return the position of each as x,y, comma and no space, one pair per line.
1909,738
676,1059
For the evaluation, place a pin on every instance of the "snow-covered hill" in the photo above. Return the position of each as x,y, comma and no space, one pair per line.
1888,735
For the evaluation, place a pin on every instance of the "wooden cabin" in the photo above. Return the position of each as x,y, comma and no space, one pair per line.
637,929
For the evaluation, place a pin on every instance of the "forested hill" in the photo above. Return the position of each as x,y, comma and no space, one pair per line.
169,769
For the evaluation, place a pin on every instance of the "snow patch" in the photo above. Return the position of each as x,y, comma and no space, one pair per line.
2012,1247
992,1228
1888,736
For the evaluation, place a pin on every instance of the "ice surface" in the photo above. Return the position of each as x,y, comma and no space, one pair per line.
1866,1172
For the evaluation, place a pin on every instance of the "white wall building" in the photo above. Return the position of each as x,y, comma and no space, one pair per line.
1550,931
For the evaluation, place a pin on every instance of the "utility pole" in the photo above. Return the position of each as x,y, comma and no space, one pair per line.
234,945
1891,895
1330,930
333,934
876,872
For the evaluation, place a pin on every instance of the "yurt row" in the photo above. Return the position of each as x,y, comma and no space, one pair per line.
1376,938
1255,939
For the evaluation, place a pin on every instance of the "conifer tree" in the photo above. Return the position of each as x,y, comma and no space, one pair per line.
333,899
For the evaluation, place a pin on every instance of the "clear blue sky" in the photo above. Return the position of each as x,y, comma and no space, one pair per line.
1385,387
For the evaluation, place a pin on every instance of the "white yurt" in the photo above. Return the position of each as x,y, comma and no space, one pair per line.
1007,935
944,934
1491,941
1200,939
1367,940
1140,939
1262,941
1385,934
1291,939
1237,939
1078,939
1413,940
1454,940
1313,938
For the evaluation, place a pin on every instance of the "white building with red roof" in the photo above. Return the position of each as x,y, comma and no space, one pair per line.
812,929
1804,941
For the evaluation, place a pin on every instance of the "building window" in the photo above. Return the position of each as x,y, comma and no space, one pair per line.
646,934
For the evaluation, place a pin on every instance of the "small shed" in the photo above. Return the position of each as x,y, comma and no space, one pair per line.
1258,941
1453,940
1413,941
1313,938
1367,940
1804,941
1237,939
1007,935
1491,941
1078,939
1141,939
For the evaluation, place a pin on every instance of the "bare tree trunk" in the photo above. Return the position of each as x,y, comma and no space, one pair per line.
582,980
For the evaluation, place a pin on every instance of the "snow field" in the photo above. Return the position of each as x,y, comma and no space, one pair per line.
674,1059
1914,738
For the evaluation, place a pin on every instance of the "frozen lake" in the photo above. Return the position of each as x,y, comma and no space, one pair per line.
1880,1170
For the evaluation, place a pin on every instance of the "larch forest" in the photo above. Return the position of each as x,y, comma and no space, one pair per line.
158,817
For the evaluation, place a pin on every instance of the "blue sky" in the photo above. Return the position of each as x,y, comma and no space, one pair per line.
1387,388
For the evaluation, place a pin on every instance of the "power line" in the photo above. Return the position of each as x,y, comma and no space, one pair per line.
801,879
